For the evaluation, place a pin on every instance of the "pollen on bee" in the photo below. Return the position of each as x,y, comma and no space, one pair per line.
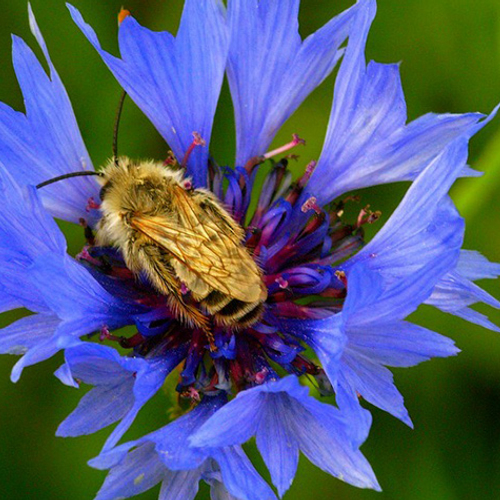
122,15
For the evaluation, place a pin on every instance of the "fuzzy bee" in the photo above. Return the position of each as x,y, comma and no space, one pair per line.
176,236
182,239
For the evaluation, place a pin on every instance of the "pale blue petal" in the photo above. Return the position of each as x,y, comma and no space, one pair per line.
374,382
175,81
474,266
278,445
65,335
325,336
46,141
271,71
180,485
454,293
100,407
475,317
27,231
235,423
399,344
321,432
26,333
425,227
7,302
72,293
315,428
141,470
240,477
367,141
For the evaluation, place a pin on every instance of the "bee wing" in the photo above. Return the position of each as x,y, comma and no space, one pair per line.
202,243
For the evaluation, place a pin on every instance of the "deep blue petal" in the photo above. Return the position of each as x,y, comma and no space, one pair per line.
424,227
456,291
271,71
316,428
46,141
367,141
240,477
141,470
175,81
25,333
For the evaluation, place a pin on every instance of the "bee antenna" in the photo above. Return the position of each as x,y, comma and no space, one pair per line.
68,176
117,124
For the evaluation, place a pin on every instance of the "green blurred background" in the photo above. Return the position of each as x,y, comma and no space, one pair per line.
450,51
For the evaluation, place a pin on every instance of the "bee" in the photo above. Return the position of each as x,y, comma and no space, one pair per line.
182,240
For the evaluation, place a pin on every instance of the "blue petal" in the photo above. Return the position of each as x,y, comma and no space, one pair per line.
123,386
325,336
456,291
271,71
172,442
367,141
278,445
424,227
100,407
183,465
240,477
180,485
217,489
399,344
26,333
73,294
26,232
474,266
374,382
46,141
141,470
65,335
175,81
319,430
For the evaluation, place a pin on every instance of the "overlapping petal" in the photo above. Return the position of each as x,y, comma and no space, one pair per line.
456,291
38,274
175,81
122,386
271,70
284,420
45,142
179,466
367,141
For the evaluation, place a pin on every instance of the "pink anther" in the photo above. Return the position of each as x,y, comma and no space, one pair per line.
92,205
197,141
366,216
84,255
105,334
282,282
307,174
184,289
310,204
296,140
192,393
260,377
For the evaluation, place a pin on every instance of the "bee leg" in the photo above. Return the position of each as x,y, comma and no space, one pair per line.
142,256
87,231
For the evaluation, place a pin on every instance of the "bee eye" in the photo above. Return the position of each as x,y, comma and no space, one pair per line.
104,190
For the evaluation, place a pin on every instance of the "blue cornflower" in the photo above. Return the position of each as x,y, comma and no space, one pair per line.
336,306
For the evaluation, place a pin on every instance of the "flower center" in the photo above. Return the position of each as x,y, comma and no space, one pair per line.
297,245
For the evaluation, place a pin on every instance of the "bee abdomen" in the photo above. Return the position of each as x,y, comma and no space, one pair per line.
215,301
240,314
